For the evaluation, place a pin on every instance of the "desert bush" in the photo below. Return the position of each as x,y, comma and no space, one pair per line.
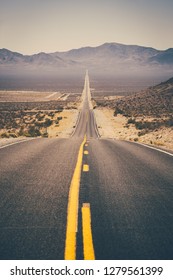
21,132
143,132
13,135
126,126
51,114
131,121
34,131
59,118
45,134
40,117
4,135
139,125
118,111
26,134
47,122
39,124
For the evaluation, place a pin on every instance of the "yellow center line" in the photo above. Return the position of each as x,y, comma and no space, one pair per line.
86,145
72,211
85,168
87,233
86,153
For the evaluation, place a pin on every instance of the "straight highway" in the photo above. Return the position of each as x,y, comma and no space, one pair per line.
85,197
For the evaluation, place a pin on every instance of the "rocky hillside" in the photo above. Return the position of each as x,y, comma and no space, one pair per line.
155,101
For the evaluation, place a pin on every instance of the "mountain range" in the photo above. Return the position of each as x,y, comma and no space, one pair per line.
108,53
109,60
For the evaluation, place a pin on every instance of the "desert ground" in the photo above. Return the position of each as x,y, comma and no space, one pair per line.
117,127
25,115
32,114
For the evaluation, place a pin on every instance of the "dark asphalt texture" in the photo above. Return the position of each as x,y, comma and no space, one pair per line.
34,182
129,188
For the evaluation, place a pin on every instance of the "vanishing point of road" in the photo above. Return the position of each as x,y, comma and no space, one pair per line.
85,197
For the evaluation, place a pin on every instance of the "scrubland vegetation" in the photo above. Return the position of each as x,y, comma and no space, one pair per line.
147,111
32,118
27,123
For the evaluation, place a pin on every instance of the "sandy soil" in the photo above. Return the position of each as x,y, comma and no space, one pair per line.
28,96
115,127
66,126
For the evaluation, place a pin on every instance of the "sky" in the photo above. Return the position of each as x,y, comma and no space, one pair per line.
32,26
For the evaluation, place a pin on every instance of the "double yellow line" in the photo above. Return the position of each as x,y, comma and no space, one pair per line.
72,216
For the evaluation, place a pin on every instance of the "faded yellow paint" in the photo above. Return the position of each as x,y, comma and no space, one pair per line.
72,212
87,233
86,153
85,168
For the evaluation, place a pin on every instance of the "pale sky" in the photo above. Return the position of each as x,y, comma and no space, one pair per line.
32,26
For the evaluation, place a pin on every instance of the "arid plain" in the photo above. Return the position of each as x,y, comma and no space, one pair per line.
143,116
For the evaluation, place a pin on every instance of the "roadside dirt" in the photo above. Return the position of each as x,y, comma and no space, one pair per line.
66,126
116,127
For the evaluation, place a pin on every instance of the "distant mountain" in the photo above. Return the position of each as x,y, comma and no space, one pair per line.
107,53
163,57
9,57
111,51
155,101
108,61
44,59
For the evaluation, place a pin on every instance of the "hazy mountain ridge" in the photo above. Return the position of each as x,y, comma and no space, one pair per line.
113,51
110,64
9,57
164,57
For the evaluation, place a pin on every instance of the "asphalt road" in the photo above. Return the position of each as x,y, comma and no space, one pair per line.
129,188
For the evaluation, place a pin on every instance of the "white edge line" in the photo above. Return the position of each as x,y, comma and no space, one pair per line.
14,143
95,124
76,124
153,148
